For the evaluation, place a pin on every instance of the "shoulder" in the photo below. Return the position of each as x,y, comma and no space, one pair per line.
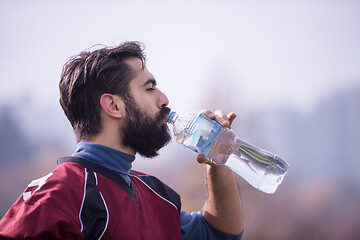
61,190
67,178
54,200
158,187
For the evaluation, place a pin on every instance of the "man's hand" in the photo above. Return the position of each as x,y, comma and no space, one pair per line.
222,209
224,120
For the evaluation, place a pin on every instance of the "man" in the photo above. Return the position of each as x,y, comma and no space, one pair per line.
116,110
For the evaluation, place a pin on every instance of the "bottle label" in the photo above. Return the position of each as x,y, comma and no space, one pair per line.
203,133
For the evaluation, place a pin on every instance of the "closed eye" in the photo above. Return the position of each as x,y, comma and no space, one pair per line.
150,89
151,85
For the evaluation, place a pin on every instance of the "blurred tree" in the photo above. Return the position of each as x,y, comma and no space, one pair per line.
14,147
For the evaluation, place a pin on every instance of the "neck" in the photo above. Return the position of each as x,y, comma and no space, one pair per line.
110,140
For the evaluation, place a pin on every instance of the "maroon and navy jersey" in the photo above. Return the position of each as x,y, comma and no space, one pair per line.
83,200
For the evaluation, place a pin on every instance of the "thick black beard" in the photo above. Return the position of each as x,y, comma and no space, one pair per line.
144,134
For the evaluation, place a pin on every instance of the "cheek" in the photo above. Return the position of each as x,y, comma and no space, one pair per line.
147,106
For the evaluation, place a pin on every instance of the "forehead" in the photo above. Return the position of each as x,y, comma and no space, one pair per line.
142,74
136,64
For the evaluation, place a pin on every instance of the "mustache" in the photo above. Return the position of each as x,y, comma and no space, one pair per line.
164,113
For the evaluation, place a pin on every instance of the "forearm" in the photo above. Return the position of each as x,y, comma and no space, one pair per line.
223,208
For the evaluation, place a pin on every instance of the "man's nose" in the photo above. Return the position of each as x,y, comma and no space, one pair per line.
163,100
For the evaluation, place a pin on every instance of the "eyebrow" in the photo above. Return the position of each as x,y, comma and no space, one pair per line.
150,81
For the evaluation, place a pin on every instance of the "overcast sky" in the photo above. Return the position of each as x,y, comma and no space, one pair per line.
266,52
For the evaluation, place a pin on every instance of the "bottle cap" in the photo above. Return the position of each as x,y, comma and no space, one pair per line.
170,117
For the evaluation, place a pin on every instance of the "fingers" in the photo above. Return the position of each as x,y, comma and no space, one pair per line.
208,113
202,159
220,117
231,116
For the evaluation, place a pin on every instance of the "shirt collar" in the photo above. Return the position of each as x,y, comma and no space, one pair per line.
105,156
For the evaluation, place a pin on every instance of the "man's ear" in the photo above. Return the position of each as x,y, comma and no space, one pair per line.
112,105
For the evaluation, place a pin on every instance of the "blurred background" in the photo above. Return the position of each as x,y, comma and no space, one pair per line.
289,69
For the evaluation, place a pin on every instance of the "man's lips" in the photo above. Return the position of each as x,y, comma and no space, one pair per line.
163,121
164,115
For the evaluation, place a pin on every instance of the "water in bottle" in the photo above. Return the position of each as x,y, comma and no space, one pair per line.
263,170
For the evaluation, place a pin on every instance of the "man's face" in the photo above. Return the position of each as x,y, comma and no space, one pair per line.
143,89
145,129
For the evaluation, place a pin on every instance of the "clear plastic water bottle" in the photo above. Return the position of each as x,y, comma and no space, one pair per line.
263,170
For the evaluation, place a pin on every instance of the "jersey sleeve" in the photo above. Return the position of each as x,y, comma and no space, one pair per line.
36,221
194,227
48,208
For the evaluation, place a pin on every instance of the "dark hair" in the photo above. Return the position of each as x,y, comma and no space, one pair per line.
87,76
